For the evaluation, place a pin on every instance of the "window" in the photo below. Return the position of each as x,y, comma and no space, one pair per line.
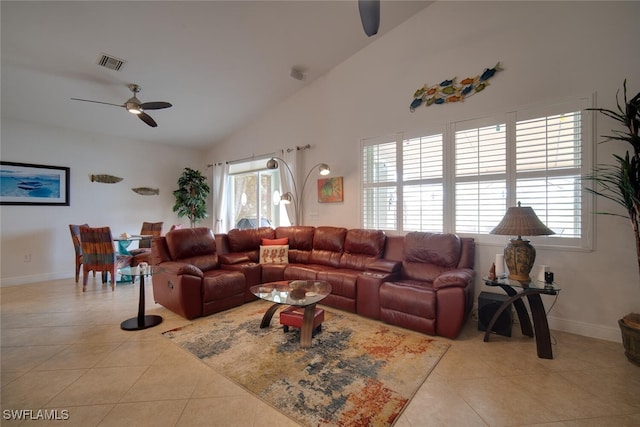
254,192
462,178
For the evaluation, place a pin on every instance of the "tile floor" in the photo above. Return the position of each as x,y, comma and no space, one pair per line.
63,350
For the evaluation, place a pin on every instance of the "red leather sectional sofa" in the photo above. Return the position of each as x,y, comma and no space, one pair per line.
421,281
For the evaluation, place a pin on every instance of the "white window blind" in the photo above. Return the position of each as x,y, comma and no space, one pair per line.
379,170
548,170
422,184
480,178
463,178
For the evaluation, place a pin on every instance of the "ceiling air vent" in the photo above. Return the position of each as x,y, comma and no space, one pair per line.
110,62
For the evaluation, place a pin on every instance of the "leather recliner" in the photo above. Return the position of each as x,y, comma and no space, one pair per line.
191,282
433,291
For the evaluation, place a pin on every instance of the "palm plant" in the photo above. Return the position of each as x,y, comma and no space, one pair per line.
620,183
191,196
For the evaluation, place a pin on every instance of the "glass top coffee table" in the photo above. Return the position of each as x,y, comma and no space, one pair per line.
301,293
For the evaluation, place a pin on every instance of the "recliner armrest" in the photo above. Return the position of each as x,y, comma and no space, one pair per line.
233,258
384,266
454,278
181,268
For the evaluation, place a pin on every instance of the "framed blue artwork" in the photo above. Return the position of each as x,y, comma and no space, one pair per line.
27,184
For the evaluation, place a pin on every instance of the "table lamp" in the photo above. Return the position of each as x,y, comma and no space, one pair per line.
519,255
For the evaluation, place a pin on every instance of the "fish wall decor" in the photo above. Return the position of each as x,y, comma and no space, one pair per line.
104,179
146,191
452,91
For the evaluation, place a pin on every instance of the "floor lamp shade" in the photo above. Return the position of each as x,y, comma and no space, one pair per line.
519,254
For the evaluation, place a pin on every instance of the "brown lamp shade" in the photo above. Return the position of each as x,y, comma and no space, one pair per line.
521,221
519,255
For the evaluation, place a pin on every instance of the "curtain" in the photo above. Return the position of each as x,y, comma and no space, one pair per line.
220,188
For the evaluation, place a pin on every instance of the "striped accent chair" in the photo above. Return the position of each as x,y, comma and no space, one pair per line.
75,237
99,254
143,252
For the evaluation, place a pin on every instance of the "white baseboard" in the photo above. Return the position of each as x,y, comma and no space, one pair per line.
585,329
25,280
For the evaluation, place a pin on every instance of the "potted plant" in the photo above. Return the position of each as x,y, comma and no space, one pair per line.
620,183
191,196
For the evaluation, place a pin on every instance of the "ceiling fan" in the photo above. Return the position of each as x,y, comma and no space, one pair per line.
134,106
370,16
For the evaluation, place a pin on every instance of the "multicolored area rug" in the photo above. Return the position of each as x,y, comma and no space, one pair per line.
358,372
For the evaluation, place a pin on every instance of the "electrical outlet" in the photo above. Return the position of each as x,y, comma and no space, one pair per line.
27,257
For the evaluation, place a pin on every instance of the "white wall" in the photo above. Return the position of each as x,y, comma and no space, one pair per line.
549,50
43,231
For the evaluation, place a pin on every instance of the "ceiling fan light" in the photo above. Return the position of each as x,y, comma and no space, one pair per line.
133,106
134,109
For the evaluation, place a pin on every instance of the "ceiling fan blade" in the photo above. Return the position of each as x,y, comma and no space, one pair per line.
370,16
98,102
147,119
155,105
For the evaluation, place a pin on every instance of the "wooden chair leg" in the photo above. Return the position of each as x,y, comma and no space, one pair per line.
85,276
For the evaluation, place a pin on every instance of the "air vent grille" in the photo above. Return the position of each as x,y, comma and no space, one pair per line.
110,62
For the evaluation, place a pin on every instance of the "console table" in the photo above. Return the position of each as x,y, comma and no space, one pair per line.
532,291
141,321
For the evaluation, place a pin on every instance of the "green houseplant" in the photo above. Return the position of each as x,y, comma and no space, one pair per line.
191,196
620,183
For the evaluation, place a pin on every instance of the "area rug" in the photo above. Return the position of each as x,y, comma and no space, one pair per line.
358,372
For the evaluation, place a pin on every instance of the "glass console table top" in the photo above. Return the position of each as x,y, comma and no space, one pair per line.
137,271
550,288
294,292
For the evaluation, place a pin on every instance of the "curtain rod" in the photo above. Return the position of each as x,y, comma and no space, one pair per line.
254,157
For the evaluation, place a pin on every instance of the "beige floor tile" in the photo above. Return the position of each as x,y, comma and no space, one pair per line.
77,356
212,384
220,411
162,413
35,389
160,382
25,358
99,386
437,404
61,348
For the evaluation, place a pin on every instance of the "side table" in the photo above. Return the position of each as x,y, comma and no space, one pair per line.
532,292
142,321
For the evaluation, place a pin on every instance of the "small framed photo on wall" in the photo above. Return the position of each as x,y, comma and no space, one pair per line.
330,190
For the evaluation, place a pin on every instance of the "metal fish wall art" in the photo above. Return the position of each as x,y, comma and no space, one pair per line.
452,91
104,179
146,191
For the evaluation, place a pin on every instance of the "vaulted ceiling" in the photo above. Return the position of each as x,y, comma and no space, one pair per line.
220,63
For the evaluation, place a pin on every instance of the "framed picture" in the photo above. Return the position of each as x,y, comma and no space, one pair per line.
330,190
27,184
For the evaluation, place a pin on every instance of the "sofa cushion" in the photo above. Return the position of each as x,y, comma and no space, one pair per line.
432,248
361,247
248,239
274,254
328,245
195,246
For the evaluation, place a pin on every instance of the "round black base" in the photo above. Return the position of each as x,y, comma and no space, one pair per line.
148,321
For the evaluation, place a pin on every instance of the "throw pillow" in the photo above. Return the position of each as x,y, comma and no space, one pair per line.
274,254
275,242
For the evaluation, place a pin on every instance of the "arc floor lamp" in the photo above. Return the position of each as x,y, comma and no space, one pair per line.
295,197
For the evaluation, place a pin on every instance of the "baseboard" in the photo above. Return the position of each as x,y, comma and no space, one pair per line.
585,329
25,280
